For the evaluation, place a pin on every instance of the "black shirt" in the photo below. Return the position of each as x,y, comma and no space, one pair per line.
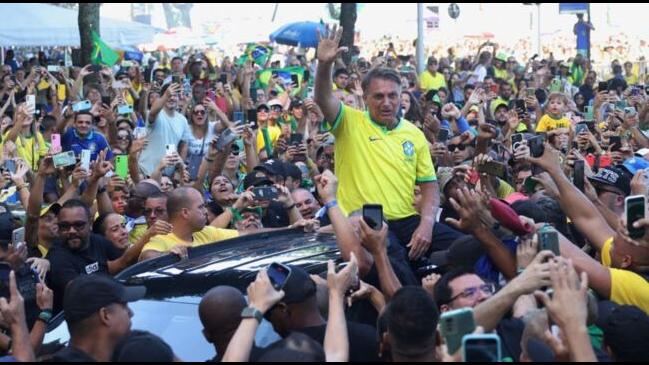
362,340
70,354
67,264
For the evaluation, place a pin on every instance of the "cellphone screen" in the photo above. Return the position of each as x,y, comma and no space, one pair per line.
481,350
578,175
443,135
635,210
373,216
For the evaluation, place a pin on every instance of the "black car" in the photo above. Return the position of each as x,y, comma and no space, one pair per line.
175,288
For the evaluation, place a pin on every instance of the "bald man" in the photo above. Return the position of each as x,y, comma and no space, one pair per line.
188,217
308,206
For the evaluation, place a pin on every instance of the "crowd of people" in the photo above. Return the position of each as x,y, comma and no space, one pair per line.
503,185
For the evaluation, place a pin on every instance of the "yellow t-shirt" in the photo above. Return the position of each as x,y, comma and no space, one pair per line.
547,123
273,132
25,148
429,82
379,166
137,232
627,287
504,189
632,79
209,234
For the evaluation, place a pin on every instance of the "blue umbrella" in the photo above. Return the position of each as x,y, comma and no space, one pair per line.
298,34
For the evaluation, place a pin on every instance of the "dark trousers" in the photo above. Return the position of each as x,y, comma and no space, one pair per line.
403,229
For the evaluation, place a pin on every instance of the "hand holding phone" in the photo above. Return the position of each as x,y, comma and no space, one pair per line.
481,348
635,208
454,325
278,274
373,216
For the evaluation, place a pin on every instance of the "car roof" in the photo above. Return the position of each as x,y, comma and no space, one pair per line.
234,262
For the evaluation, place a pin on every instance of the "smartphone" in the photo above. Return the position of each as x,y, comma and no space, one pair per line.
517,138
121,166
265,193
225,139
635,91
536,146
581,128
442,135
481,348
602,86
278,274
427,270
578,175
373,216
530,185
454,325
105,100
64,159
96,68
520,105
53,68
237,116
296,139
61,92
18,236
124,109
549,240
212,76
30,100
126,64
493,168
615,142
295,80
530,92
139,132
635,208
175,79
56,143
85,160
81,106
620,105
589,114
10,165
223,78
555,86
170,149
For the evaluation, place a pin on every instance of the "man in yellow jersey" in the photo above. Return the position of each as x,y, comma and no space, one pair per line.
430,79
380,158
623,275
188,217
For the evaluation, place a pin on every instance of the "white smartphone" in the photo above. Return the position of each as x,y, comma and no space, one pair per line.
30,100
18,236
171,149
85,160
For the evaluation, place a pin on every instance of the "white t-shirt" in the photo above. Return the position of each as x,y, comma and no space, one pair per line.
479,74
166,130
194,144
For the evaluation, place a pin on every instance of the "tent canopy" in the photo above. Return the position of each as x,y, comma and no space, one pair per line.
32,24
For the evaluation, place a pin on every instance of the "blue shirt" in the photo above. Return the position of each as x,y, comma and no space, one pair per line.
94,141
582,29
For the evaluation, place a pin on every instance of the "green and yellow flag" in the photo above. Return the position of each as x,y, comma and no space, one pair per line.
284,74
102,53
257,53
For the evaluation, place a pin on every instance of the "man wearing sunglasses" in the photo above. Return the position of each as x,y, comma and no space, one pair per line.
461,150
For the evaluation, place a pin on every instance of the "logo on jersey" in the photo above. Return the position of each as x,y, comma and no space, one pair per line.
408,148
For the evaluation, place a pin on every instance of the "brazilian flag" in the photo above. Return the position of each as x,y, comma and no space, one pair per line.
257,53
102,53
284,75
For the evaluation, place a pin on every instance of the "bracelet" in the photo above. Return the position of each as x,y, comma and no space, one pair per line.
208,160
45,315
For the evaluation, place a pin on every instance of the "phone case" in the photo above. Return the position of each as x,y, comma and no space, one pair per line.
121,166
454,325
635,207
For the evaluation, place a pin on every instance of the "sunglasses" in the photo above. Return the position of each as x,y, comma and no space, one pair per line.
276,108
78,226
453,147
199,112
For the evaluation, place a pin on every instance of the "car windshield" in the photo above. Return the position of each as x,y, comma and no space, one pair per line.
177,323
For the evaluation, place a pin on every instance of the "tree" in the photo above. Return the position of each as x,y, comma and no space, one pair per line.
88,22
348,22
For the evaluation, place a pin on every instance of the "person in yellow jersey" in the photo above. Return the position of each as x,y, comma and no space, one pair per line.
263,121
630,75
29,142
623,274
188,218
379,157
431,79
554,117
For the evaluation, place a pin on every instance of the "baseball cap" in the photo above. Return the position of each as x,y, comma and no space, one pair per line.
293,171
273,167
87,294
296,103
143,346
444,176
635,164
54,208
501,57
274,102
263,106
464,251
256,178
497,104
614,177
298,286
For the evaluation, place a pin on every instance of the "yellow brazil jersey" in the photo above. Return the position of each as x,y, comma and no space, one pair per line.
137,232
429,82
379,166
273,132
627,287
547,123
26,148
209,234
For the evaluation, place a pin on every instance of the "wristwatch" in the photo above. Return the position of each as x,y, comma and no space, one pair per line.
250,312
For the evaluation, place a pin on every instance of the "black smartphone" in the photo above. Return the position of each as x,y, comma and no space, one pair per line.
481,348
549,240
175,79
373,216
296,139
615,142
581,128
517,138
578,174
520,105
493,168
278,274
223,78
602,86
224,139
536,146
295,80
442,135
265,193
635,208
105,100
